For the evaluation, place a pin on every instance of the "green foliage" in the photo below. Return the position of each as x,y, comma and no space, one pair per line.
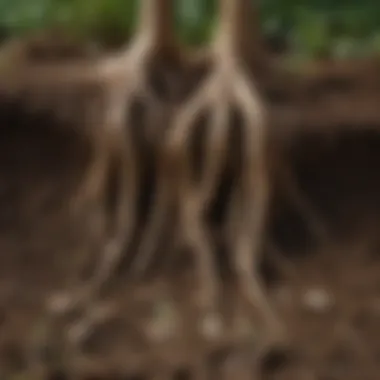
317,28
312,28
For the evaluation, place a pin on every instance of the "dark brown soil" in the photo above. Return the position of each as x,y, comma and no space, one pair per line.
328,293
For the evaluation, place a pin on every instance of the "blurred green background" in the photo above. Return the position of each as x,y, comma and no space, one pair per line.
307,28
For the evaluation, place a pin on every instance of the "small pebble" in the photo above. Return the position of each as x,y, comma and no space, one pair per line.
317,300
212,326
60,303
164,322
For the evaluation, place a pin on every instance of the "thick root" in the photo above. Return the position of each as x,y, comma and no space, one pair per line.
224,91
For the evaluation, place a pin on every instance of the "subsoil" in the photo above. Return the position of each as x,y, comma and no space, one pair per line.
327,291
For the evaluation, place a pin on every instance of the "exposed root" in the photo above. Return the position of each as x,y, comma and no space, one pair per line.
227,92
155,64
143,106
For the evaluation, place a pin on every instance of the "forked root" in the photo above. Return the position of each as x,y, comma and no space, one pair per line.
228,89
145,114
116,174
155,64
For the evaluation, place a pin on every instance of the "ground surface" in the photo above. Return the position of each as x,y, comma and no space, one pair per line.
328,293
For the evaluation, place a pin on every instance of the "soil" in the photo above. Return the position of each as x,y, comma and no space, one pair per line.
327,292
